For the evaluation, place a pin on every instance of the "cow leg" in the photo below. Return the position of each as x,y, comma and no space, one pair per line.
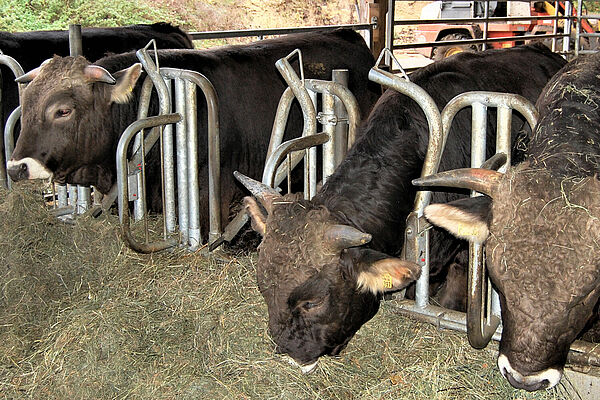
453,292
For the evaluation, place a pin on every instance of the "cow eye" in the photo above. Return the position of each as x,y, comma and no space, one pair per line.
63,112
311,305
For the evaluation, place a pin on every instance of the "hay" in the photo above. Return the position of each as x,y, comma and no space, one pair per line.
82,317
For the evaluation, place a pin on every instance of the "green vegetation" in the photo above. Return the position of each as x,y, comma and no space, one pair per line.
19,15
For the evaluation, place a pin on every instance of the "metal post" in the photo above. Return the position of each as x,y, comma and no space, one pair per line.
182,160
192,177
328,120
75,45
567,32
340,76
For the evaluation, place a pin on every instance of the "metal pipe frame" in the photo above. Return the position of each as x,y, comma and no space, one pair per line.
341,76
274,31
191,79
8,132
166,139
416,246
479,330
122,182
9,143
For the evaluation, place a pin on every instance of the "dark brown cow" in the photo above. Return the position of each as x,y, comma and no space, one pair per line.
73,116
542,225
319,279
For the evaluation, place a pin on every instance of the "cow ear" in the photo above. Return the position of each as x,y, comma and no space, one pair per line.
377,272
122,91
257,218
467,218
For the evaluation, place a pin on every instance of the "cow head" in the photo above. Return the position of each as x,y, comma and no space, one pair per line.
66,123
542,240
319,283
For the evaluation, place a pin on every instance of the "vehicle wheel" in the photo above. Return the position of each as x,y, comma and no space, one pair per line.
441,52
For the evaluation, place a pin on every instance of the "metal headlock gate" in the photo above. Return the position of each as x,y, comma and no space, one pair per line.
181,223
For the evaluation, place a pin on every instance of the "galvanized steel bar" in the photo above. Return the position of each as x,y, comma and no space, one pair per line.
75,45
72,195
122,181
479,328
182,160
328,121
61,195
281,118
417,235
84,199
9,142
213,145
341,77
194,234
9,128
274,31
310,161
300,92
166,138
140,148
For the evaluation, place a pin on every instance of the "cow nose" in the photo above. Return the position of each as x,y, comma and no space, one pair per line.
18,172
545,379
530,387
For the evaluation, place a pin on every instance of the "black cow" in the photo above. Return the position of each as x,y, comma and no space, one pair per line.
72,120
541,228
319,277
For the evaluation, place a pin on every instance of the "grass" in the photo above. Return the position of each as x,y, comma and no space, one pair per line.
83,317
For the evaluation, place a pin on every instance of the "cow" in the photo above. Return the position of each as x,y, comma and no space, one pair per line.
30,49
324,264
540,226
72,118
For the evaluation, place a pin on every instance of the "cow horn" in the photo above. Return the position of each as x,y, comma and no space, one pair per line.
478,179
341,237
28,77
98,74
264,193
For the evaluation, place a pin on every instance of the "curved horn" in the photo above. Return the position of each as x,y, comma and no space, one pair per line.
481,180
31,75
98,74
495,161
340,237
264,193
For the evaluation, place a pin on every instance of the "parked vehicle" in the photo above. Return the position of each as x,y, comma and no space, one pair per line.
468,30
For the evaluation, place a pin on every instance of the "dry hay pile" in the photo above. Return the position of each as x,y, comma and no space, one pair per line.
82,316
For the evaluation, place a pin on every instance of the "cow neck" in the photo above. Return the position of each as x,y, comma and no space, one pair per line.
371,190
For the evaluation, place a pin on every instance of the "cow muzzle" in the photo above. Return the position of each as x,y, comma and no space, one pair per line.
305,368
27,168
542,380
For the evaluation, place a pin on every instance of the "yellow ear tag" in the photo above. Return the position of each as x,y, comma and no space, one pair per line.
465,230
387,281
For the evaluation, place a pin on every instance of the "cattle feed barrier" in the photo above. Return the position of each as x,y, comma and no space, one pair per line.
131,183
339,117
482,320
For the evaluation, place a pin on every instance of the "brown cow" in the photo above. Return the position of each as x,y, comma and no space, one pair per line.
541,228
